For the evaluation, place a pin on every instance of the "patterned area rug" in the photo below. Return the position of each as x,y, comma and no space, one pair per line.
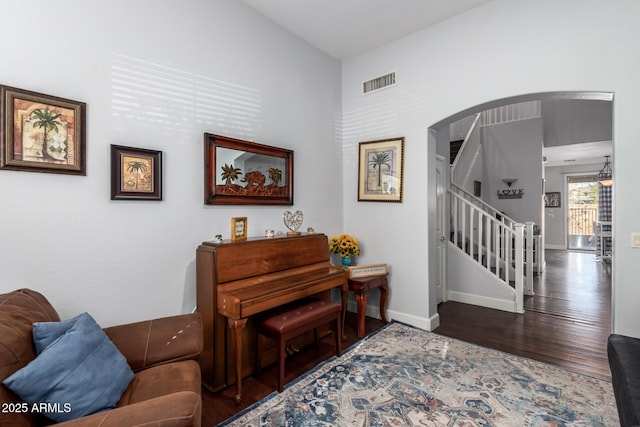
403,376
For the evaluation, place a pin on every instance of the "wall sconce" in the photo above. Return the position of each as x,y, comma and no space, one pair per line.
605,177
509,181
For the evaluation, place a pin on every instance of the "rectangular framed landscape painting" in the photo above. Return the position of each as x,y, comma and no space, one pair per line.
136,173
41,133
238,172
380,170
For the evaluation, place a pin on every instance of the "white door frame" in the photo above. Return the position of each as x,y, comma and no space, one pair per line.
441,240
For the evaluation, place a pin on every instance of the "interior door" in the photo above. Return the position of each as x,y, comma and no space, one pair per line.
441,229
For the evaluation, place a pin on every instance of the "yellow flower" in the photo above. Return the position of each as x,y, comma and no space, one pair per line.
344,245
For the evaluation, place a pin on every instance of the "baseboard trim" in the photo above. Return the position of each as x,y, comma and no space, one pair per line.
498,304
373,311
558,247
419,322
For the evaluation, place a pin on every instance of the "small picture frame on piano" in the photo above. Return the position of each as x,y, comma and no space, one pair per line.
238,228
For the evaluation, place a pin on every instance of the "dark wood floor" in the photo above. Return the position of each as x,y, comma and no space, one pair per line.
566,324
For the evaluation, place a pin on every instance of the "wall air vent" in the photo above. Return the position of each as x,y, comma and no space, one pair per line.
379,83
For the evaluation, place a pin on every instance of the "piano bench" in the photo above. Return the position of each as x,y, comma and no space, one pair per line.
289,324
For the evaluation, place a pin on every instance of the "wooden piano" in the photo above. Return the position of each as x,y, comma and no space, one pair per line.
236,280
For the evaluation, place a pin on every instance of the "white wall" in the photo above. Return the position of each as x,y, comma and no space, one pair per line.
573,45
514,151
485,289
568,121
157,75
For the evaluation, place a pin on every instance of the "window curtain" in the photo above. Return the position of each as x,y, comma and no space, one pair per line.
604,214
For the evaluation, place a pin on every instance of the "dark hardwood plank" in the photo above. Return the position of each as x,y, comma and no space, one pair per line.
566,323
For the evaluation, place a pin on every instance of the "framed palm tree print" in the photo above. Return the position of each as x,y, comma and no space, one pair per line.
136,173
380,170
238,172
41,133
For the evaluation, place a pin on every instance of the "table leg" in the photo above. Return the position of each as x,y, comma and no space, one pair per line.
236,327
361,299
384,293
345,295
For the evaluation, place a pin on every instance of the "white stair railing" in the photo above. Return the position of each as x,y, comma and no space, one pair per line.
467,156
534,251
483,205
498,247
511,113
509,249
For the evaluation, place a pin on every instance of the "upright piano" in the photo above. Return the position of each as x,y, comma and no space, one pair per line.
236,280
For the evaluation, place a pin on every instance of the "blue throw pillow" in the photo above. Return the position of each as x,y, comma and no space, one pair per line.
44,333
77,372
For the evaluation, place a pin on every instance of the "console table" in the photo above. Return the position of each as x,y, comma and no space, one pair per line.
360,288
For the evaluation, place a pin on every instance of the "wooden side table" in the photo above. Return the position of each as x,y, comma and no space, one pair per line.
360,288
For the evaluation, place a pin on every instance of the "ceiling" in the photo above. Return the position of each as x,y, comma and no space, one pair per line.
578,154
347,28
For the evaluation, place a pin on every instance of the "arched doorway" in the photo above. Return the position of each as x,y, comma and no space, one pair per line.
439,137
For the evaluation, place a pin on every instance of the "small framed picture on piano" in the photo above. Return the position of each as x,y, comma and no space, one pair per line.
239,228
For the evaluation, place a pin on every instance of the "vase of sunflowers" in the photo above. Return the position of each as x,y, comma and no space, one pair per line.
346,246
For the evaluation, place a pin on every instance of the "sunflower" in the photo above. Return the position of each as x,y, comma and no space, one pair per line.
344,245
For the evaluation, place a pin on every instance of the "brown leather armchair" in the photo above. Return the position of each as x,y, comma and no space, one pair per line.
163,354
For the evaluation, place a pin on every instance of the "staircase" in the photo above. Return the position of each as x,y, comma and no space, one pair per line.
500,254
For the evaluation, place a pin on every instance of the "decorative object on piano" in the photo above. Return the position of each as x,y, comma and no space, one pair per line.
293,221
381,171
238,228
269,234
370,270
217,238
239,172
136,173
41,133
346,246
310,230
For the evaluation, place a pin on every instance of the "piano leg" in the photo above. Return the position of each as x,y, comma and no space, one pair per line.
344,290
236,327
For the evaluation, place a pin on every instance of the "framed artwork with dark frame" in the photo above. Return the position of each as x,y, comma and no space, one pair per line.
239,228
238,172
136,173
41,133
552,200
380,170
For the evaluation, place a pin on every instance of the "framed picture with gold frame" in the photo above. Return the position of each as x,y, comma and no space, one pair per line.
239,228
136,173
41,133
380,170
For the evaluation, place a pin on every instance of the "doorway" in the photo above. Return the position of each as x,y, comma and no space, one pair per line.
440,136
582,211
